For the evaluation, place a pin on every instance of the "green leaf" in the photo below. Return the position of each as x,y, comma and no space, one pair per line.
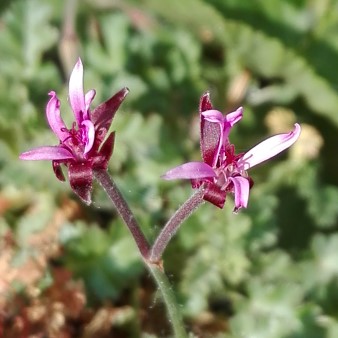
28,36
219,256
106,261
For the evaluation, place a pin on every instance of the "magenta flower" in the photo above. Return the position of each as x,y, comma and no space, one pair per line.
222,171
83,147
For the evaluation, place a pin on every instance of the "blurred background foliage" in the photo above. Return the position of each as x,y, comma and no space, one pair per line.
67,270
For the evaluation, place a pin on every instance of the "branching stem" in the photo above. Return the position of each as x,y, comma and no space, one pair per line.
152,256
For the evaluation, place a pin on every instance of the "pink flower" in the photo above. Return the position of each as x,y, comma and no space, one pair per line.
222,171
84,146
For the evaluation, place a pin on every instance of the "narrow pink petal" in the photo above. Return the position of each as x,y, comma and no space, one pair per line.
229,121
213,115
269,148
89,97
234,117
241,191
190,170
216,116
54,117
76,95
47,153
89,135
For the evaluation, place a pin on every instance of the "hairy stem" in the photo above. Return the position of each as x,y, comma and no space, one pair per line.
170,229
123,209
169,299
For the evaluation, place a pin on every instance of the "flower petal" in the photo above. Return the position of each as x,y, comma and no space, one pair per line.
234,117
54,117
229,121
89,135
76,95
89,97
269,148
190,170
213,115
241,191
217,117
47,153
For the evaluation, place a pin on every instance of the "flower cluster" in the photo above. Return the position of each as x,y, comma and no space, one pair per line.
222,171
85,146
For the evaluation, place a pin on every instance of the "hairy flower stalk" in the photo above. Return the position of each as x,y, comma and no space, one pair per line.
222,170
172,226
84,146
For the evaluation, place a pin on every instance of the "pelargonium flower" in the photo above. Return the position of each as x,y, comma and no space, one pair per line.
222,170
85,146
